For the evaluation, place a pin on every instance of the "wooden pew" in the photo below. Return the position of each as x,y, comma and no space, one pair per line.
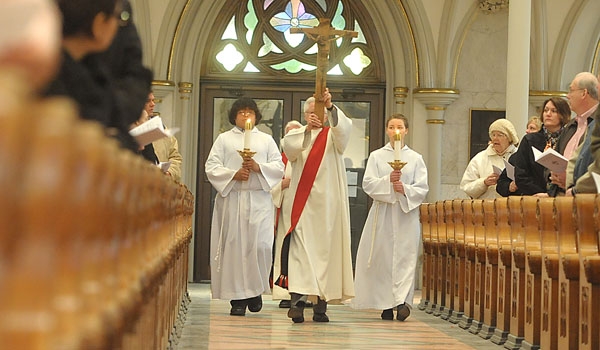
490,287
479,263
449,261
568,301
442,252
433,268
427,246
94,248
587,239
533,272
517,294
550,261
504,271
457,249
469,253
591,264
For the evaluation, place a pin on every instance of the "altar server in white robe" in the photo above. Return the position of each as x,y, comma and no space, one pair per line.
243,216
282,199
317,261
389,246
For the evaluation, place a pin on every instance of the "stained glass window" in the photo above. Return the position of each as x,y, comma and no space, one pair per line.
257,39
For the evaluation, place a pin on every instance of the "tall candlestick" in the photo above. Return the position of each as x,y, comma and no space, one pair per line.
397,145
247,132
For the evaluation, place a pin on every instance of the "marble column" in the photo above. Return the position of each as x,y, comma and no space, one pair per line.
183,111
517,67
435,101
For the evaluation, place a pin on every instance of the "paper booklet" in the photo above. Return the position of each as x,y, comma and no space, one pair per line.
551,159
596,178
151,131
510,170
164,166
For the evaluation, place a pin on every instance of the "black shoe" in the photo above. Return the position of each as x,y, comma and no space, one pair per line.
296,312
238,310
255,304
403,312
320,317
387,314
285,304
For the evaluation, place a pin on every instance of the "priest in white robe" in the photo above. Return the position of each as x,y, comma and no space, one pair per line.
282,199
319,261
243,216
389,246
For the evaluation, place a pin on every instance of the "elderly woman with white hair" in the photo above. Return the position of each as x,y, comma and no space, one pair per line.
479,179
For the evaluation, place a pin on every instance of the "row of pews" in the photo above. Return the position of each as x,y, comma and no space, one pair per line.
94,240
523,272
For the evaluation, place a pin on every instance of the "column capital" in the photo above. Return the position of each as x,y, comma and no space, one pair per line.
436,98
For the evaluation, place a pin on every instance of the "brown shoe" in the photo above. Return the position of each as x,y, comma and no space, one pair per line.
296,312
403,312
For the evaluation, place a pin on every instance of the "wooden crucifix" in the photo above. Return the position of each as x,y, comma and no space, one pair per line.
323,35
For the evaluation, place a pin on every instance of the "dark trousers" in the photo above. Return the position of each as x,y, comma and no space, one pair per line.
318,308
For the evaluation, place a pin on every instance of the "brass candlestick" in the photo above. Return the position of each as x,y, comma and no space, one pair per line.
246,153
397,164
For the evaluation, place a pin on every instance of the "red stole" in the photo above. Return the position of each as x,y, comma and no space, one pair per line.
307,179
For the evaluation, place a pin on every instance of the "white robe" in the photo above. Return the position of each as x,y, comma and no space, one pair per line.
282,199
320,260
242,224
389,246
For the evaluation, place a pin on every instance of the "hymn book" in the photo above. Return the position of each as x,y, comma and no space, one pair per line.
151,131
551,159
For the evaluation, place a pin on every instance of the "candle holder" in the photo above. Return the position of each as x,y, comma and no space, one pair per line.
397,164
246,153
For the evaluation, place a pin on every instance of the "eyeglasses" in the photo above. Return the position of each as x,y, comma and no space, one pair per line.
573,90
246,112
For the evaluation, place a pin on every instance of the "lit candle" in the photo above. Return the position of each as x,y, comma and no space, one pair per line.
247,132
397,145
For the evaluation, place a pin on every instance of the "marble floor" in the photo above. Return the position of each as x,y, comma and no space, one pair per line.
208,325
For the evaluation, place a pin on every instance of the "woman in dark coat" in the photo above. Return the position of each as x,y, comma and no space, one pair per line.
531,177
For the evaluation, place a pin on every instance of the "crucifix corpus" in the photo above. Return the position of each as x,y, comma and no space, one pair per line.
323,35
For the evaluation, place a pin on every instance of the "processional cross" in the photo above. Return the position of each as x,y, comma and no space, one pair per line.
323,35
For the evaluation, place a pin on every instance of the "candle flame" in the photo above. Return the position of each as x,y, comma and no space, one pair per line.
248,124
397,136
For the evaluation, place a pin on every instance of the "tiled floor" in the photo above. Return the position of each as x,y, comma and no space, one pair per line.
209,326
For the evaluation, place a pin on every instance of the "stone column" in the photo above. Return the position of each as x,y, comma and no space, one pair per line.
435,101
183,113
517,67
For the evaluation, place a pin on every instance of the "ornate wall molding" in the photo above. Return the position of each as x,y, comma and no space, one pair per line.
491,6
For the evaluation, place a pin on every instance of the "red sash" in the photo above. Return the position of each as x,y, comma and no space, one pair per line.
309,174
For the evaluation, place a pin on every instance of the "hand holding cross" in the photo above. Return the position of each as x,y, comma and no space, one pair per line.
323,34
